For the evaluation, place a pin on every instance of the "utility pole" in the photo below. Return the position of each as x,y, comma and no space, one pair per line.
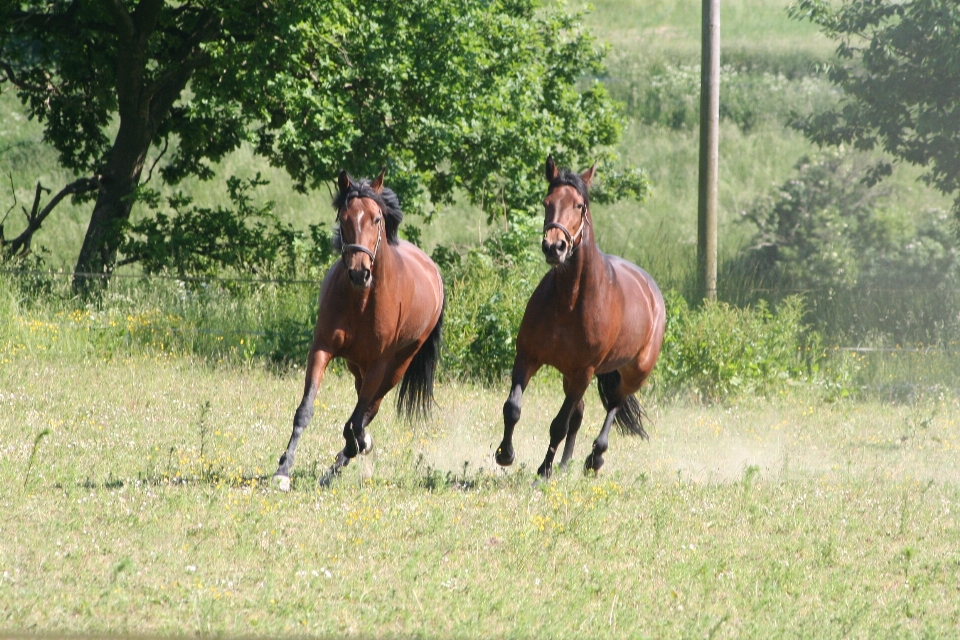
709,150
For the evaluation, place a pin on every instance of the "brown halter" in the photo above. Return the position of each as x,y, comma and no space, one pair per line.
345,248
571,238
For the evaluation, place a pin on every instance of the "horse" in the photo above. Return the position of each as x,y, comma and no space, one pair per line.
591,315
381,309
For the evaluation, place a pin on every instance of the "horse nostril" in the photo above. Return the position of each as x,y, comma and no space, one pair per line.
561,246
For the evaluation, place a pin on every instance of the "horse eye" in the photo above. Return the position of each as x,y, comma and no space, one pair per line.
580,206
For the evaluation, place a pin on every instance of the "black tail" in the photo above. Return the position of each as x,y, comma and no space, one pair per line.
630,415
416,388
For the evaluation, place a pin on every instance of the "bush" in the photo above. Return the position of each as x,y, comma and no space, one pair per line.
487,293
719,350
869,272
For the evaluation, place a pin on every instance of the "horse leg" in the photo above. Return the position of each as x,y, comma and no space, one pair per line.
317,362
595,460
575,419
523,370
370,394
630,382
573,388
342,460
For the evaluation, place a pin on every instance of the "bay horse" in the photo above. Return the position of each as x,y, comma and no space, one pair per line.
381,310
591,315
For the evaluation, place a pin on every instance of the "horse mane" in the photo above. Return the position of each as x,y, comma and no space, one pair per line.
571,179
387,200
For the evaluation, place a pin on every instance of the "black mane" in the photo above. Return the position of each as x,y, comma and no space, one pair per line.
387,199
571,179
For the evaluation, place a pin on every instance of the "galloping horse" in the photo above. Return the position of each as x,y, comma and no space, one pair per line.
381,310
592,314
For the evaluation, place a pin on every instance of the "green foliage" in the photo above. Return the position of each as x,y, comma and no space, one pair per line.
868,273
718,350
453,97
897,66
487,293
246,240
813,231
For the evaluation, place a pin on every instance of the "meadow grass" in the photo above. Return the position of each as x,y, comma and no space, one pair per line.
147,511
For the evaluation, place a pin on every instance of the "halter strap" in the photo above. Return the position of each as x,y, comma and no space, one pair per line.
571,238
345,248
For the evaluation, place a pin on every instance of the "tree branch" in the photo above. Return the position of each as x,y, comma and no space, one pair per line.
144,19
20,245
166,143
125,27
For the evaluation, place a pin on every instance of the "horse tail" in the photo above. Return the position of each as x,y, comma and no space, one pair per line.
630,415
416,388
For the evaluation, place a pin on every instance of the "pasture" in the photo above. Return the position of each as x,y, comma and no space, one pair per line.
138,433
147,510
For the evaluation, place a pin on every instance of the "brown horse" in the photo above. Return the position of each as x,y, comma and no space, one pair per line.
381,310
592,314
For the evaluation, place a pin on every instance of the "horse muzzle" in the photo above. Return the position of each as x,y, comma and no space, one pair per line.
555,252
360,278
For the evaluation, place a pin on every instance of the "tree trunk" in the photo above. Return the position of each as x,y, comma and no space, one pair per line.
114,202
144,100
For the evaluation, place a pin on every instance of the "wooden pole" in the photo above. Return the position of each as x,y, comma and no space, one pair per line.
709,150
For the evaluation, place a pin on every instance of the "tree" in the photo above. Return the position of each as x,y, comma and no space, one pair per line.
898,65
450,95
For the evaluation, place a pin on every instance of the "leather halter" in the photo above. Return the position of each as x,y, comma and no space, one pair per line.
571,238
345,248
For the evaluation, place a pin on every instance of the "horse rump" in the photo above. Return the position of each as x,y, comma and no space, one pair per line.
416,389
630,415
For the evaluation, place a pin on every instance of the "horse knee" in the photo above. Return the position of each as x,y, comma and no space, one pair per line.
511,411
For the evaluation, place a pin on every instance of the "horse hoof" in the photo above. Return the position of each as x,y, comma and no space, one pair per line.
281,483
505,457
593,463
328,477
367,444
545,472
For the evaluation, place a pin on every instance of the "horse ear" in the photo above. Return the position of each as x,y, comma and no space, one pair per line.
377,184
588,174
551,169
343,180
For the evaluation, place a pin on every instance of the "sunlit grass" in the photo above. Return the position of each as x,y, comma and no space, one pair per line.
148,511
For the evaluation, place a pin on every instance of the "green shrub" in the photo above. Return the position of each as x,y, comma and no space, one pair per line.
870,273
719,350
487,292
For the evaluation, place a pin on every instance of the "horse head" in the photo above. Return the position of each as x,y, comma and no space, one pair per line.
361,227
566,212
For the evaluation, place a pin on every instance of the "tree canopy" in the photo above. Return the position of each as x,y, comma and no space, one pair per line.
449,95
898,65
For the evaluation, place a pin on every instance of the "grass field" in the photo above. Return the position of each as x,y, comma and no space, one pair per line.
146,510
134,483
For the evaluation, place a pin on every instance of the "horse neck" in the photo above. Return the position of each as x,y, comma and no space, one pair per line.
579,276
